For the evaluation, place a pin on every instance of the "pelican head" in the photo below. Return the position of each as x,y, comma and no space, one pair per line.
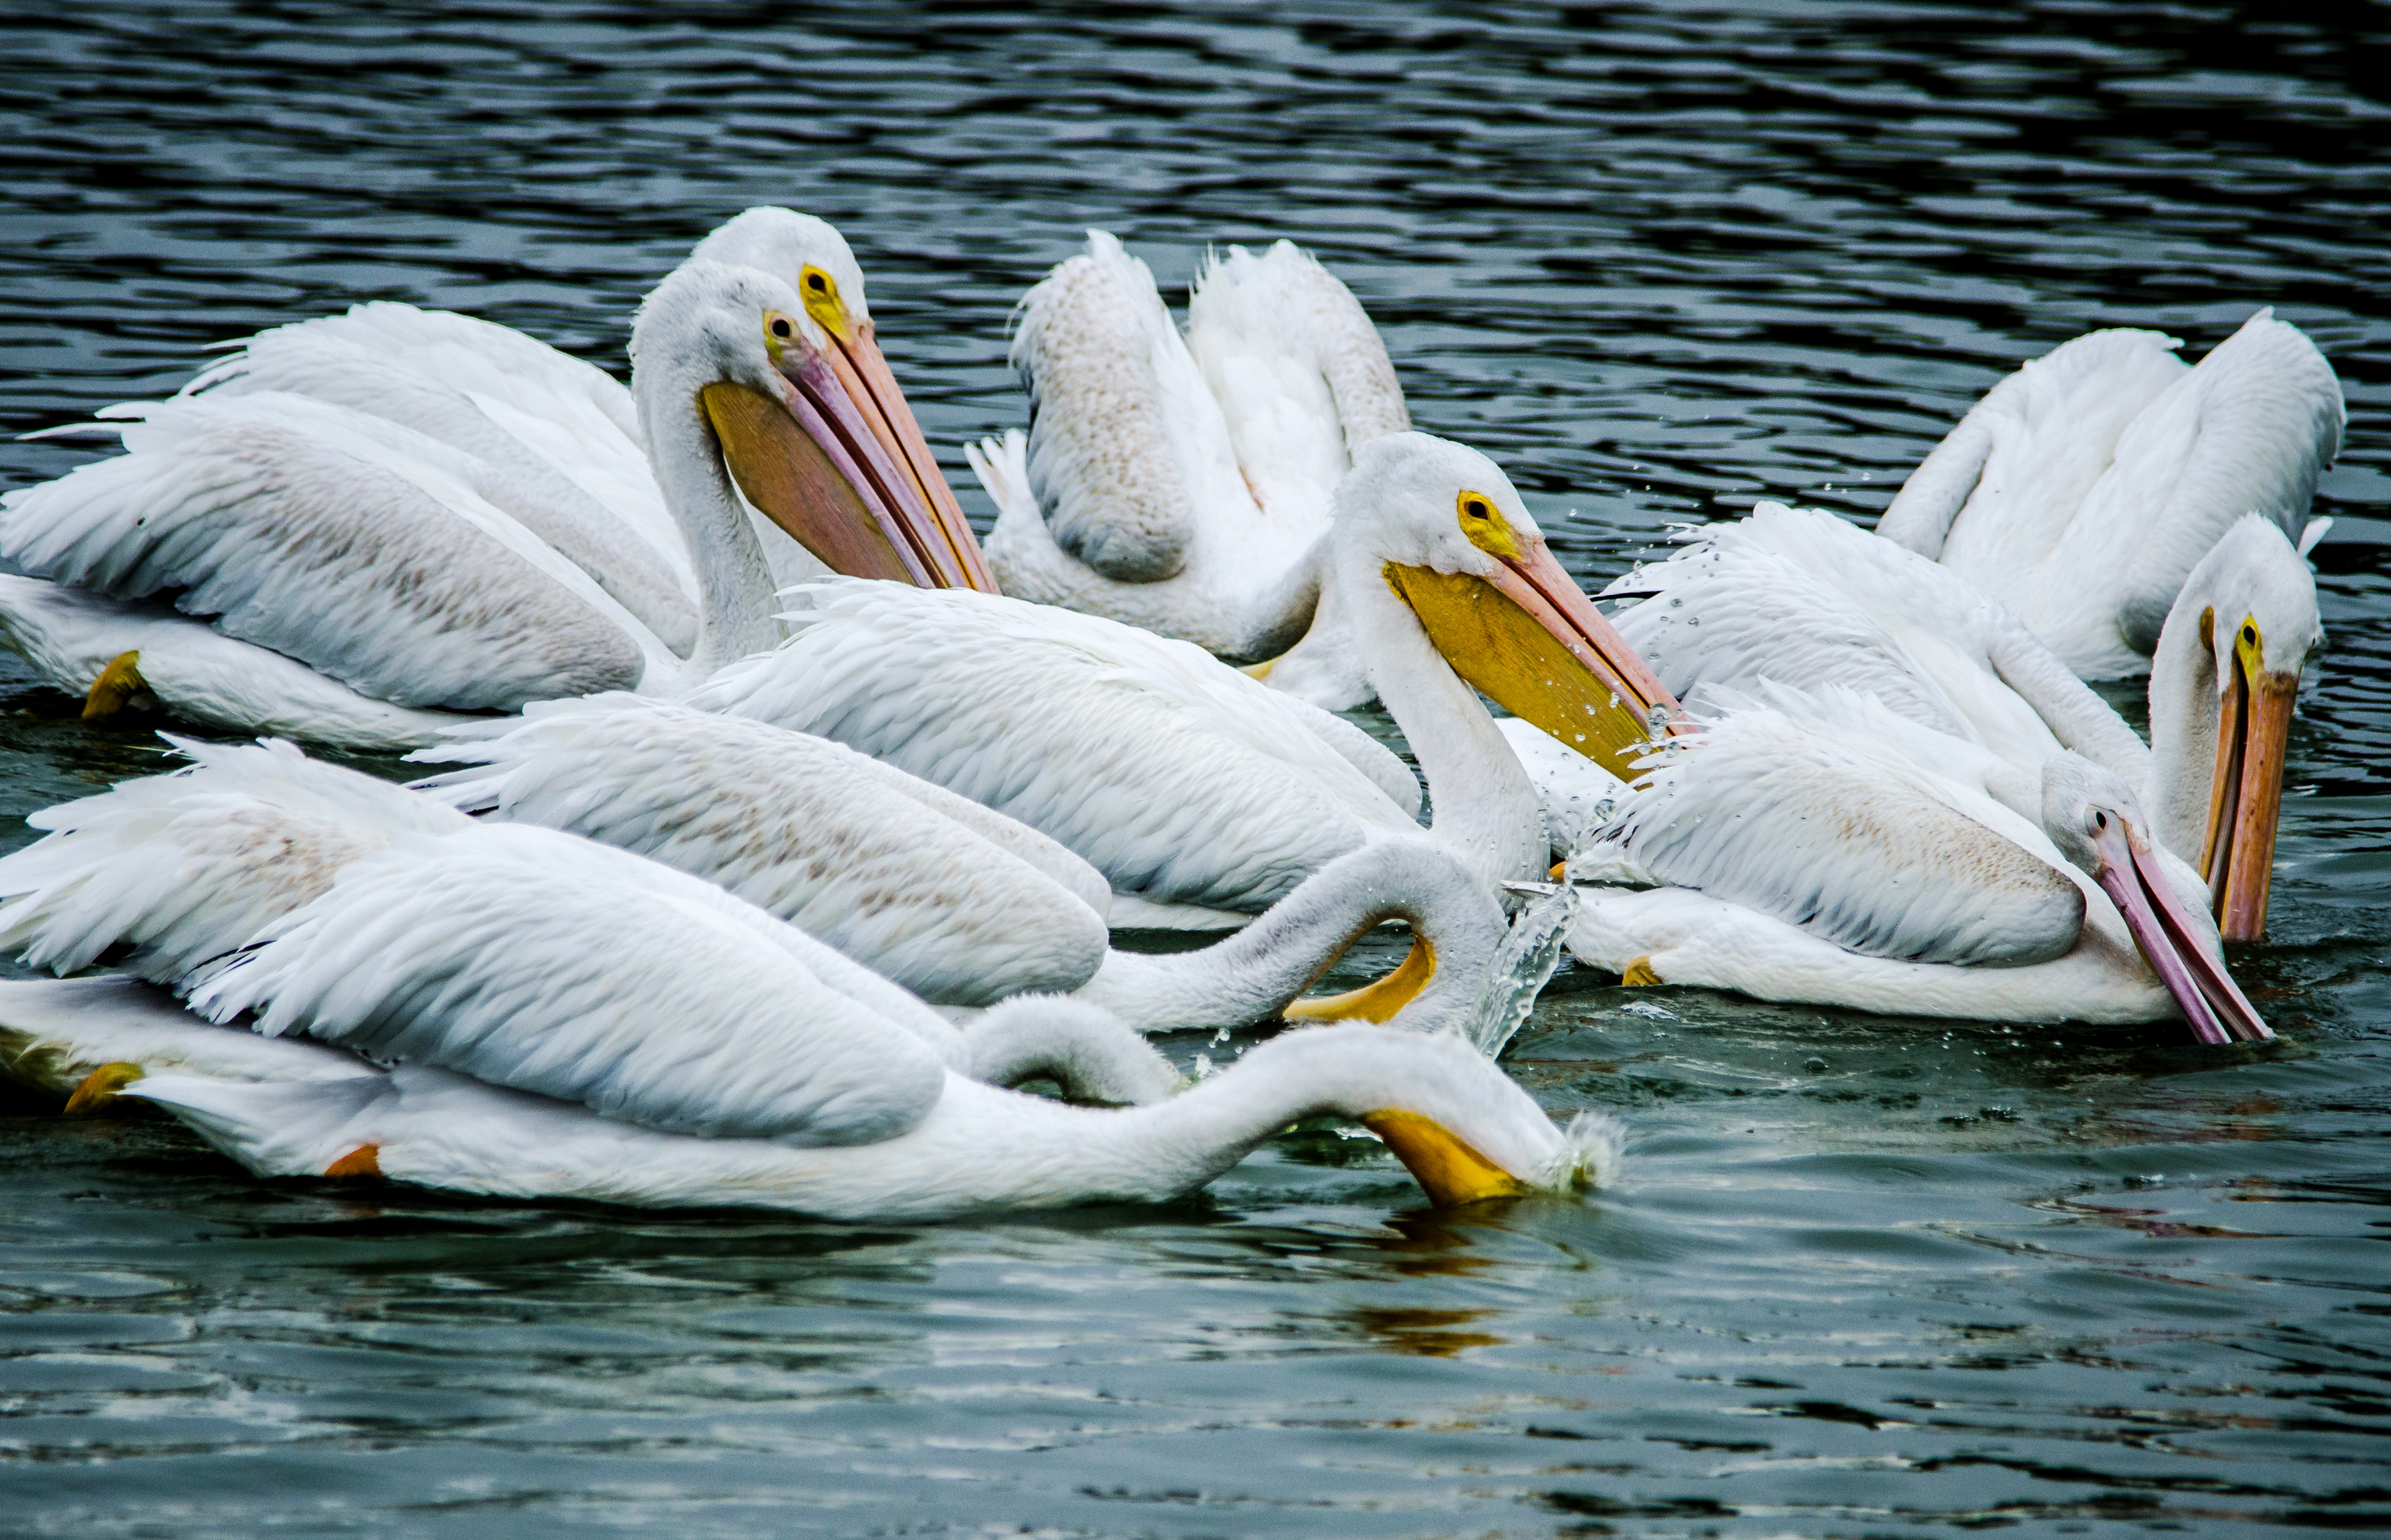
810,256
2252,602
806,252
2094,819
785,374
1441,525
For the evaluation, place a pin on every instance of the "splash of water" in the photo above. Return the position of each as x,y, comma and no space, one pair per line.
1522,964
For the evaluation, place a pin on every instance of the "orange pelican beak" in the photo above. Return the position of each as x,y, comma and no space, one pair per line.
2246,795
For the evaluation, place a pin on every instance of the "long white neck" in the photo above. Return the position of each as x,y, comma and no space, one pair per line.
980,1148
1278,616
2183,727
1484,805
983,1148
1251,975
2080,719
735,586
1091,1055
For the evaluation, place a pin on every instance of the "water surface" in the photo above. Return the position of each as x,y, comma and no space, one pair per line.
1866,1277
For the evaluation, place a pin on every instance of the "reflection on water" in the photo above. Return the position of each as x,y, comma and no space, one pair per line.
1866,1276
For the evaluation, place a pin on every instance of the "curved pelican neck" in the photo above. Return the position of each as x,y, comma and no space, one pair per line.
1083,1050
1483,806
1282,615
735,586
1253,975
2184,715
986,1147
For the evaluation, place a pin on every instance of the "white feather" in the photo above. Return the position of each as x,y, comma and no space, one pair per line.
2082,489
957,903
1183,781
185,867
337,539
532,959
197,673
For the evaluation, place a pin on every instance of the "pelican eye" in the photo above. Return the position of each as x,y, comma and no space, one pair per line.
2100,818
1484,526
2249,636
820,291
782,329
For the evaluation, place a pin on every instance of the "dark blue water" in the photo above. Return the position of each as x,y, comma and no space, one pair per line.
1866,1277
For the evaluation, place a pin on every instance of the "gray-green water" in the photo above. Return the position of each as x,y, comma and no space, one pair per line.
1866,1277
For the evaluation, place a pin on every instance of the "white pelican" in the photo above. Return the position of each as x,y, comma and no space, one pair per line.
1802,599
170,877
486,533
1191,787
2083,490
1822,849
573,1020
961,905
1183,485
951,1145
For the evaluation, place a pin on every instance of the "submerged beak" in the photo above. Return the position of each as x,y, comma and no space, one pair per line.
1444,1164
822,457
1375,1002
2246,795
1527,638
2169,938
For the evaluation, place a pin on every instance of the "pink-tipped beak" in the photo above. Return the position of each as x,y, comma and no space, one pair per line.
892,419
2172,940
837,421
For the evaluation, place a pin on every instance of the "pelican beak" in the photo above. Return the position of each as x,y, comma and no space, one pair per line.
1375,1002
863,373
834,457
2253,735
1444,1164
1527,638
2170,939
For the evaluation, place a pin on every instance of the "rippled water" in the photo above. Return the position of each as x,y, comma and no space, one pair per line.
1867,1277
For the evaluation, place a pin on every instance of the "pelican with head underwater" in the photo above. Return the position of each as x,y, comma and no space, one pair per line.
561,1018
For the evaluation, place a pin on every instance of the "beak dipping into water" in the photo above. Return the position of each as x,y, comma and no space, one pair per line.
2169,937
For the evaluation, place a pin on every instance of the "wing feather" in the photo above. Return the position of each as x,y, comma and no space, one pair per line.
298,536
2249,431
2109,467
531,448
1302,378
1798,597
957,903
531,959
196,673
1179,778
1865,849
2039,439
180,868
1126,443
